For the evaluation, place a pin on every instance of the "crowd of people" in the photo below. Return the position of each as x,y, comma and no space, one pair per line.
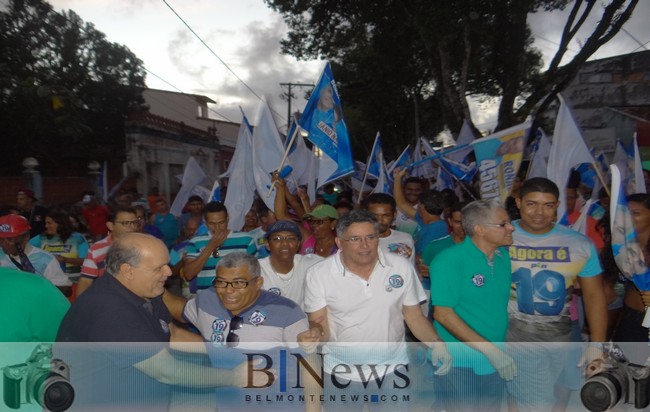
499,295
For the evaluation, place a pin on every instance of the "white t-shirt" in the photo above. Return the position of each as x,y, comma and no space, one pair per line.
290,285
399,243
365,317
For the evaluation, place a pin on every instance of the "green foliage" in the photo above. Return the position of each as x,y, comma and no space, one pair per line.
441,52
65,90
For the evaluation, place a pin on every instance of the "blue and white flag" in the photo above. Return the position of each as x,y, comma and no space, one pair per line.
465,137
300,157
384,182
444,180
375,158
402,161
422,151
241,184
323,120
460,171
215,193
627,251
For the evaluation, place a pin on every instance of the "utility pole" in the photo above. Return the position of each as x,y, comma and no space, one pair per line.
289,95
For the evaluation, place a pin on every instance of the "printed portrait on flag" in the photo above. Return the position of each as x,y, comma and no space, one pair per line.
627,250
499,158
323,120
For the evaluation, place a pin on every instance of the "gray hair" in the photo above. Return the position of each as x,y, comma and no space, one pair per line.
477,212
355,216
239,259
120,253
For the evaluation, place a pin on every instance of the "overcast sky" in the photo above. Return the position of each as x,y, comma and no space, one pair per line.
245,34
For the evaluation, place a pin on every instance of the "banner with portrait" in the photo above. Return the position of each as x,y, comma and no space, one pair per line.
499,157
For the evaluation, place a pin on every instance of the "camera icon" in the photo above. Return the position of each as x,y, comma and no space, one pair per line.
41,380
617,381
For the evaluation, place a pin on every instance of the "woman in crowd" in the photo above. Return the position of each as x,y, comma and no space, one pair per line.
60,239
318,232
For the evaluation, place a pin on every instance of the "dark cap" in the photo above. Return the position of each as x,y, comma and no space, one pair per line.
26,192
284,226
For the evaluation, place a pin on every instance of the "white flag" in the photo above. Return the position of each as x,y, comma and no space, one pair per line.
539,164
268,152
193,175
568,150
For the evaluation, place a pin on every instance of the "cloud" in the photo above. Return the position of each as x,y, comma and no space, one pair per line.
258,62
547,29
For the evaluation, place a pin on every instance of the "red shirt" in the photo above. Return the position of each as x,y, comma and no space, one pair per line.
96,218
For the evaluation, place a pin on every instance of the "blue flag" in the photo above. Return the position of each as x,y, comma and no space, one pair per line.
402,160
375,159
323,120
464,173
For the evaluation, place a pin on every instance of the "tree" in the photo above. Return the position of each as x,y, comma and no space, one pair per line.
65,90
464,47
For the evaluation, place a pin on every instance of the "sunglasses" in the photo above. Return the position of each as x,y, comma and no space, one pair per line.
236,323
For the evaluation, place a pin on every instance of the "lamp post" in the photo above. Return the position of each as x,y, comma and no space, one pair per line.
93,172
33,176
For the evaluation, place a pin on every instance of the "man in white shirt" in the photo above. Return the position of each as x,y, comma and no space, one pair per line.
384,208
365,296
284,269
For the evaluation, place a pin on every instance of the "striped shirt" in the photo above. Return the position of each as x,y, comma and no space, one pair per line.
94,265
235,242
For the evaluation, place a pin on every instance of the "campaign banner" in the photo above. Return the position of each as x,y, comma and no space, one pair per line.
499,158
352,376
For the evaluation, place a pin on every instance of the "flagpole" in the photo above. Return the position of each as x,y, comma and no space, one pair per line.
602,179
284,158
437,155
532,156
365,174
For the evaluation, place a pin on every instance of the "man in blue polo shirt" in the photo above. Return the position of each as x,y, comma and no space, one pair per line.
470,287
125,306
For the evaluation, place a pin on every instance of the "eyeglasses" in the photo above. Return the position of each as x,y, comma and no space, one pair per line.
236,284
281,238
499,225
129,223
236,323
356,240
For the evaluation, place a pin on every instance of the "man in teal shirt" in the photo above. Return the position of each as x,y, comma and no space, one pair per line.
470,286
38,307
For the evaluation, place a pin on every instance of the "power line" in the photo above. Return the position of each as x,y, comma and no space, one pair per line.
218,58
555,43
